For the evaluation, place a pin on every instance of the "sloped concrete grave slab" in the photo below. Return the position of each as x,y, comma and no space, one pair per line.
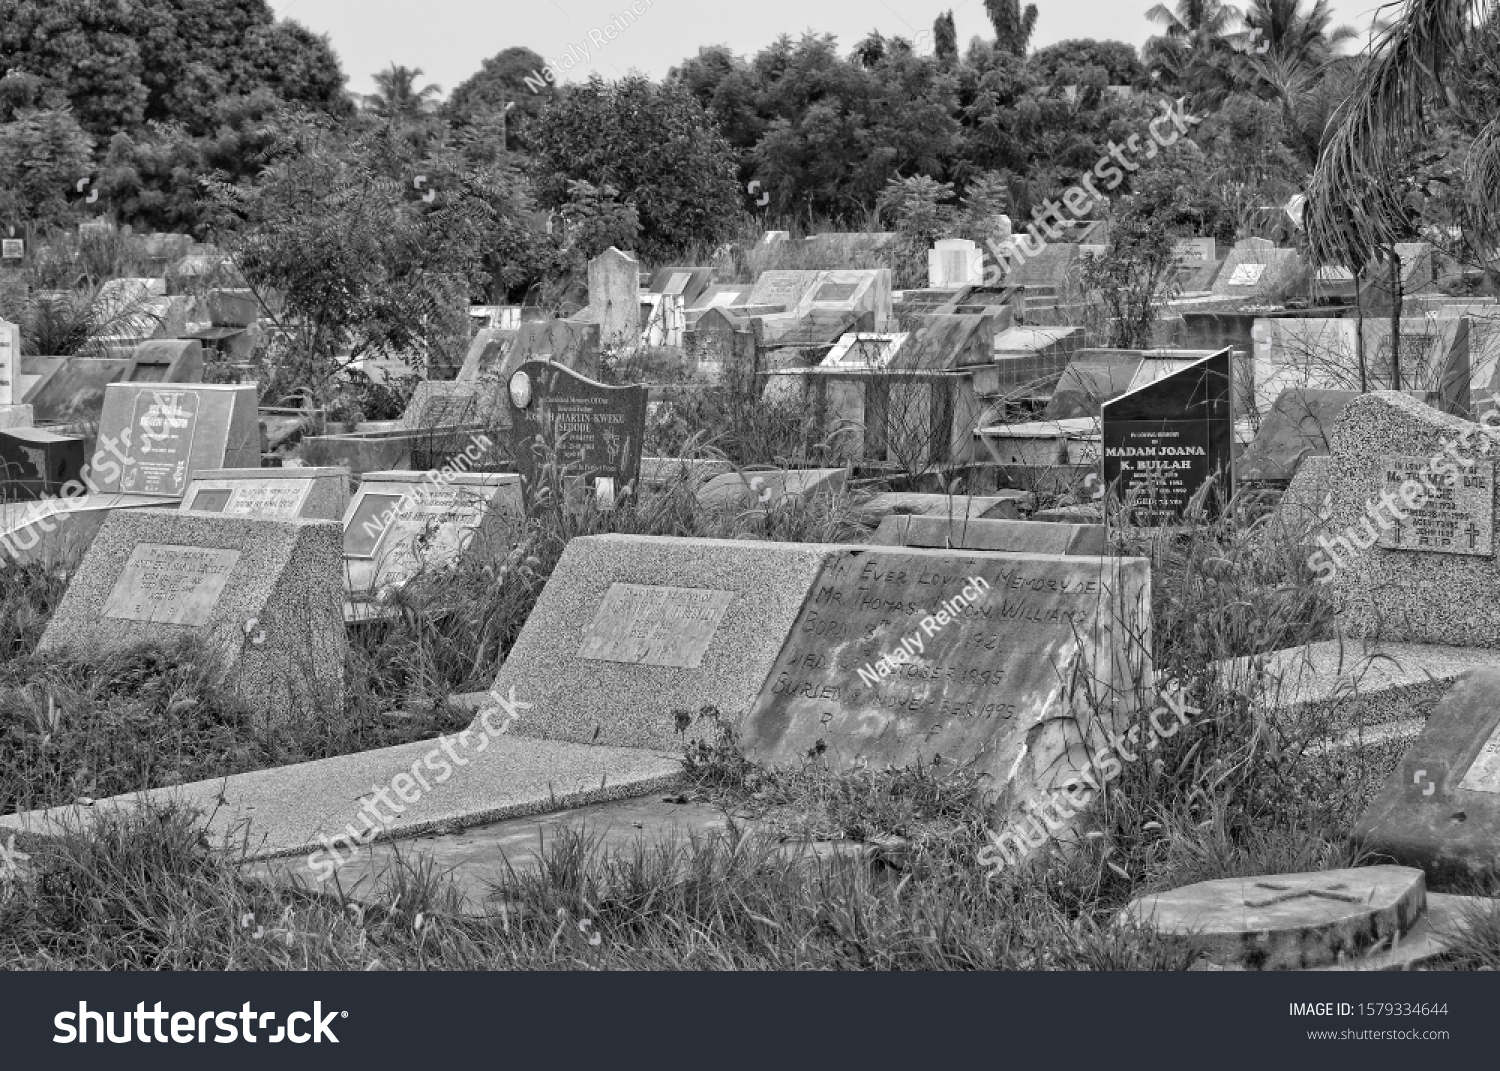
327,810
1440,808
1288,921
769,488
867,656
265,595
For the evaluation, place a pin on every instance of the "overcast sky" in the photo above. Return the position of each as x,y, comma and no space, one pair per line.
447,39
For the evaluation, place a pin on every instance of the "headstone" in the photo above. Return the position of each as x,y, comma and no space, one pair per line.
1288,922
1003,505
861,293
12,248
1440,808
303,493
950,341
631,633
1411,514
1254,268
687,283
568,342
486,354
232,308
787,288
770,488
35,463
265,596
441,403
864,352
591,431
614,299
401,522
1013,537
1165,441
1298,427
167,361
720,297
955,262
772,237
153,439
1196,251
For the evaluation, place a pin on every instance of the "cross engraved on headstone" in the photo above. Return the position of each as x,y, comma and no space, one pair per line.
1329,893
1473,533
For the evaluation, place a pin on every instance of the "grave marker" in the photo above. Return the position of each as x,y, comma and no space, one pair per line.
264,596
306,493
594,431
35,463
614,298
1166,440
153,439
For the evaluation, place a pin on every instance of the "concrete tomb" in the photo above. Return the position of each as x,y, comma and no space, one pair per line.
614,299
401,522
309,494
153,439
1011,537
35,463
264,595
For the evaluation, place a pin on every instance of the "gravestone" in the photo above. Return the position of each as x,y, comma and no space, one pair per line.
1255,268
1440,809
1298,427
1005,505
441,403
13,414
35,463
400,522
486,354
770,488
1013,537
167,361
1411,510
955,262
569,342
864,352
793,643
153,439
614,299
305,493
264,595
591,431
1164,441
787,288
1288,922
232,308
948,341
687,283
861,294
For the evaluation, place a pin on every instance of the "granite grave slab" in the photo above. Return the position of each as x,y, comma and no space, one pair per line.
303,493
152,439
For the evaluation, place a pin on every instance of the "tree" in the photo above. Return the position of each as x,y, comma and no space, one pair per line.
397,97
917,209
1068,62
945,38
43,154
1195,47
1013,27
346,259
654,144
1285,31
507,90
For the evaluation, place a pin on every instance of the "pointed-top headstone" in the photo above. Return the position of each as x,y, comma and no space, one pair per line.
614,298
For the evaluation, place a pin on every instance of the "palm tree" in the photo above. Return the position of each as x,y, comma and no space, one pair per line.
1357,203
1195,44
396,94
1281,29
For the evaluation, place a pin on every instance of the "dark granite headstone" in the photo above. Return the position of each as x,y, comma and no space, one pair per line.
35,463
1298,426
1164,441
593,430
1440,809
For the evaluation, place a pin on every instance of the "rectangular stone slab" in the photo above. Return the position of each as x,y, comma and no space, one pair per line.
312,494
973,688
975,533
154,438
170,585
1440,809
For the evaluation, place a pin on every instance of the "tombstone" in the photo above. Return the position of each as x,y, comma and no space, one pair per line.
1012,537
12,249
723,334
787,288
1440,808
1050,269
853,293
590,431
772,237
793,644
401,522
1002,505
1288,922
1195,251
56,532
302,493
441,403
35,463
1255,268
1165,441
486,354
1028,362
264,595
719,297
1411,515
232,308
153,439
1298,427
567,342
955,262
687,283
951,341
864,352
13,414
614,299
665,320
167,361
770,488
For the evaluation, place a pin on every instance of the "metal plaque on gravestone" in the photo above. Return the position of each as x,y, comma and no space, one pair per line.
591,431
1452,520
170,585
647,625
1166,440
162,443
